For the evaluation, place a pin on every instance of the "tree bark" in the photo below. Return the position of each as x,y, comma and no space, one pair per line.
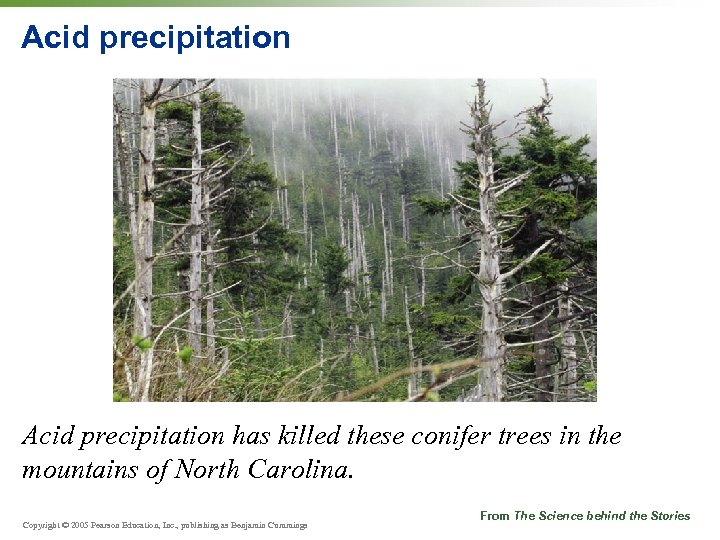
489,278
304,209
415,377
568,351
195,315
405,220
144,248
210,276
120,153
542,352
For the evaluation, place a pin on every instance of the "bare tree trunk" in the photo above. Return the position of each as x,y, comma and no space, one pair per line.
311,251
405,220
144,248
333,126
568,352
348,304
120,153
383,298
414,380
422,279
344,235
132,207
304,208
286,204
364,265
210,276
210,302
196,198
341,187
542,351
388,254
286,330
275,172
324,215
489,278
352,249
373,346
123,160
322,358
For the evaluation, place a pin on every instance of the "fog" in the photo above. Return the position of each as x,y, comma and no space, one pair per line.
405,116
442,101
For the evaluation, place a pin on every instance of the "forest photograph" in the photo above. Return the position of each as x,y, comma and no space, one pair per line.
354,240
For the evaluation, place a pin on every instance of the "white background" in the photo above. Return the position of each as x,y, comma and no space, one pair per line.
658,174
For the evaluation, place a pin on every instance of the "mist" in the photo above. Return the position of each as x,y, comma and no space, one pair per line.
413,105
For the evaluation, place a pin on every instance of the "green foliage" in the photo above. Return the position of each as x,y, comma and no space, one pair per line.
521,364
175,110
247,382
559,191
142,343
459,287
185,354
258,373
246,229
384,169
444,322
549,269
434,207
559,207
432,396
333,262
413,175
282,282
555,202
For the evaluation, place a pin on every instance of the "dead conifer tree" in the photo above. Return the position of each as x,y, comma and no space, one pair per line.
196,199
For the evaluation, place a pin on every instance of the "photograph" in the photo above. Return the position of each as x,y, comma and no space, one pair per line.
355,240
349,270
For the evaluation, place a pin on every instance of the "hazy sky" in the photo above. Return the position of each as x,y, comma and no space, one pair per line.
432,103
574,104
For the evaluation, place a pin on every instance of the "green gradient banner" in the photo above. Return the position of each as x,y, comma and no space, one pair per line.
345,3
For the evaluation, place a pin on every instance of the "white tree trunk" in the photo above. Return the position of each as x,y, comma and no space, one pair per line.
210,303
388,288
568,352
415,377
489,278
373,346
196,198
210,276
405,220
120,155
422,278
304,208
144,248
383,298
